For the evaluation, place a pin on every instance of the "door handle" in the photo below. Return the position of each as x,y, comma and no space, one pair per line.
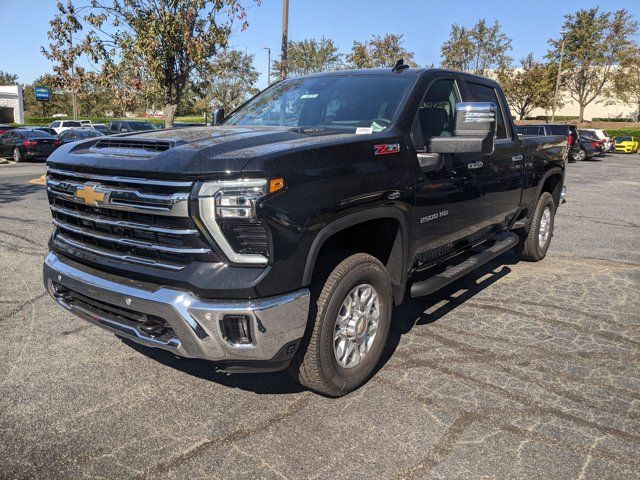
474,165
517,158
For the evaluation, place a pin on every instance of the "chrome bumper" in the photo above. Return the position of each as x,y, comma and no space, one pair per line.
276,323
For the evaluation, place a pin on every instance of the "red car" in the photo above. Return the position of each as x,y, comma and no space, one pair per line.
5,128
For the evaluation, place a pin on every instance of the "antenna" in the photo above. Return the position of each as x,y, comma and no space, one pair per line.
399,66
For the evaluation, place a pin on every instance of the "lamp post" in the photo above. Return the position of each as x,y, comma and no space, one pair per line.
268,65
285,34
555,95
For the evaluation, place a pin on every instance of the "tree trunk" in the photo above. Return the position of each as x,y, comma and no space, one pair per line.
169,113
581,116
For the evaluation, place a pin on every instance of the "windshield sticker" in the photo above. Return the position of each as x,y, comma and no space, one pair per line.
364,131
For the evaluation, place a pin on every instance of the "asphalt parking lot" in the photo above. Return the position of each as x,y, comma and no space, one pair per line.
520,371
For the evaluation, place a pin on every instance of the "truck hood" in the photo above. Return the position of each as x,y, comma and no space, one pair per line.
189,153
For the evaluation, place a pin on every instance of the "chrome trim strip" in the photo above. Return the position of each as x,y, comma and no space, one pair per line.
127,241
118,179
125,258
275,321
176,205
122,223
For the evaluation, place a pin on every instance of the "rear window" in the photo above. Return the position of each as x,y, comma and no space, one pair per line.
35,134
530,130
71,124
140,126
558,129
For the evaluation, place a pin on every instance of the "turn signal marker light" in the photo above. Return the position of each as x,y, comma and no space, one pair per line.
276,184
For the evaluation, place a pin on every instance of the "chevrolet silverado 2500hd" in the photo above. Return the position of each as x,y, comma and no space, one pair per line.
283,236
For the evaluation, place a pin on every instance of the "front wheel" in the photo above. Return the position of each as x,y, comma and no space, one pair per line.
534,245
348,326
17,156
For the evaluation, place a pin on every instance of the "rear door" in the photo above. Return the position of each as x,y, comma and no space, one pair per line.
502,170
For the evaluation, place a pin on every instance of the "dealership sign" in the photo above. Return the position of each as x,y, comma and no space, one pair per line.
42,93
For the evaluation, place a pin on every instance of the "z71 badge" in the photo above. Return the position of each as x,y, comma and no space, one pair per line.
386,148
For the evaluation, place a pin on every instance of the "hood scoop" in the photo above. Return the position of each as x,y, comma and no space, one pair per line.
131,147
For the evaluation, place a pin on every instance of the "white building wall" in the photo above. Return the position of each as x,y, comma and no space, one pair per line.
11,96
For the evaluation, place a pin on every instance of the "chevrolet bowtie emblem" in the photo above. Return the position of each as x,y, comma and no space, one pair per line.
90,195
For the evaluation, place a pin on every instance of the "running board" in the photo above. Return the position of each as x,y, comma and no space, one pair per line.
454,272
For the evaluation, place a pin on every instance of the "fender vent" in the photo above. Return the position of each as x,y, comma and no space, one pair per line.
119,144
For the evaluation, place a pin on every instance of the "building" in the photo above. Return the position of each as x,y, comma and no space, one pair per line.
601,107
11,104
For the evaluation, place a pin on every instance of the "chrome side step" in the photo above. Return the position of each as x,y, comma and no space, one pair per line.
454,272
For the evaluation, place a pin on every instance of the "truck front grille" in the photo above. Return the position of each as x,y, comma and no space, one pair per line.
133,220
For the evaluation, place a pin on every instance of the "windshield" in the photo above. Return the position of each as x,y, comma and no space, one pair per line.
367,103
140,126
622,139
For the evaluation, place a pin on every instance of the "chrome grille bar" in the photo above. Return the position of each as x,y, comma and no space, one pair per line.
122,257
117,179
121,223
129,242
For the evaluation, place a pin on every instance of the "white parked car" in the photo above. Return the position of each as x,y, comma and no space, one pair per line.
61,125
85,123
602,135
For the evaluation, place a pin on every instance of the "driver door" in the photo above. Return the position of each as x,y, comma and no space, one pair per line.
449,204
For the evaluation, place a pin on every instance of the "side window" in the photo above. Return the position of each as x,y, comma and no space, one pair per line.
114,126
484,93
435,116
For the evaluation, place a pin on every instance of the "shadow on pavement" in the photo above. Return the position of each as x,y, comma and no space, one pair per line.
405,317
12,192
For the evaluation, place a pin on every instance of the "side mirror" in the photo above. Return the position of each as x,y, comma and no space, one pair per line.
217,116
474,130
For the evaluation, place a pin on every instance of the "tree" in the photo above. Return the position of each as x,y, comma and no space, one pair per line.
625,82
529,87
7,78
595,42
170,38
478,49
380,52
65,51
228,82
309,56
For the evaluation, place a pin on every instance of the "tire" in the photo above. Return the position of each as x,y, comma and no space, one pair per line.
17,156
532,248
316,364
580,155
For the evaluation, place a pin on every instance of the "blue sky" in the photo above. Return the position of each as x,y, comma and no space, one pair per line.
425,24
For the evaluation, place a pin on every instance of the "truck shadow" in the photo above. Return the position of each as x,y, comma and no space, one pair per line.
11,192
412,313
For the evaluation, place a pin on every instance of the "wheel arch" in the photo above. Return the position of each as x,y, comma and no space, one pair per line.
396,261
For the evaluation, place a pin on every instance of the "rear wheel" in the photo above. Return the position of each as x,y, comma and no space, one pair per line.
17,156
534,245
348,326
580,155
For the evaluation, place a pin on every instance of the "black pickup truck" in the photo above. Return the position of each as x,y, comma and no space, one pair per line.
283,236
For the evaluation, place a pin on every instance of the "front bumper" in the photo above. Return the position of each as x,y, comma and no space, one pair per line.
193,325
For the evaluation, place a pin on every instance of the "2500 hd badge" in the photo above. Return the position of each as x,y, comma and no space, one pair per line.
428,218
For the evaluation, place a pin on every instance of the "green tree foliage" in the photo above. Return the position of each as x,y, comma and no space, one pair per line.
528,87
309,56
595,42
227,82
625,82
7,78
478,49
169,38
380,52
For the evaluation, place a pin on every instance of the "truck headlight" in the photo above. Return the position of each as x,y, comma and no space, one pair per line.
228,211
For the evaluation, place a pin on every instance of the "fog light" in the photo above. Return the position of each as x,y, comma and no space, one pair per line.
235,329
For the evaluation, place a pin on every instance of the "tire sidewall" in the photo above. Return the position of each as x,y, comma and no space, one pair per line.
18,157
546,200
347,379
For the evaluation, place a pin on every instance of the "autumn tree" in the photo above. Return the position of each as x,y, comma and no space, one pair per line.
528,87
479,49
595,43
380,52
7,78
170,38
309,56
227,82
